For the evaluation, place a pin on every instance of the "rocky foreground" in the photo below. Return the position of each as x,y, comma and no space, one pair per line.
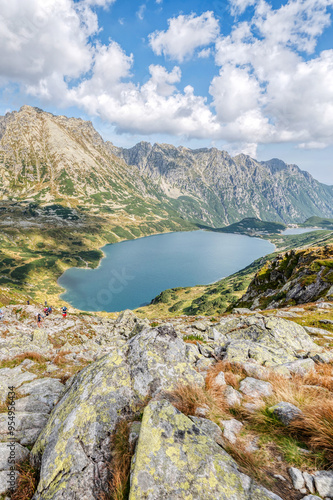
190,399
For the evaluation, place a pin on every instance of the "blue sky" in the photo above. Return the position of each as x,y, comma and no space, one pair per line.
248,76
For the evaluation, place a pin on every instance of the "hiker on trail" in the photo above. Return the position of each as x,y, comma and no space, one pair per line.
45,303
46,311
39,319
49,309
1,314
64,312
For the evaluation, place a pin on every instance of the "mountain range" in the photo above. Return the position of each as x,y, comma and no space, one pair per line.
47,159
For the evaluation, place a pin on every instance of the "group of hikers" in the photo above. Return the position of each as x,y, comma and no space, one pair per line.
40,317
47,311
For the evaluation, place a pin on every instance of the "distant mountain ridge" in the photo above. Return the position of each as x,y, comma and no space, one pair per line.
217,188
47,159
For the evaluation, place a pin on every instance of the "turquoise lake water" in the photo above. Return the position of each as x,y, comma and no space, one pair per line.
133,272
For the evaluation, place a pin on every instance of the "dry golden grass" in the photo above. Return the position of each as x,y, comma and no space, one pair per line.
60,358
122,453
17,360
233,373
316,426
188,398
26,483
321,376
296,390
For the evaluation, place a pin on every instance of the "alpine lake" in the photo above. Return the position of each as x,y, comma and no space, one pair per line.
133,272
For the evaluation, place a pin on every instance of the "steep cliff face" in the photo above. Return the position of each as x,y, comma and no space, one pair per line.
211,186
294,277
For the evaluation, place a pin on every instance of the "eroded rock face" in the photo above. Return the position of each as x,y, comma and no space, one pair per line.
74,448
176,459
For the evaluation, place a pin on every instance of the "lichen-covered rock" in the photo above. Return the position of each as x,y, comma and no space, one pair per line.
74,448
176,459
300,366
285,412
128,324
40,337
47,390
270,341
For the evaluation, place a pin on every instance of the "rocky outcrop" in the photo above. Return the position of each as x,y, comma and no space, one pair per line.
270,341
176,458
294,277
134,365
74,448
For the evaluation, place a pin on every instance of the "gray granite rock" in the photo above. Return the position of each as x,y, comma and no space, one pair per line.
231,429
255,388
297,478
232,397
324,483
11,451
285,412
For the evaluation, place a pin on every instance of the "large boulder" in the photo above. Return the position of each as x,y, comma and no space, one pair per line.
128,324
177,459
74,450
268,340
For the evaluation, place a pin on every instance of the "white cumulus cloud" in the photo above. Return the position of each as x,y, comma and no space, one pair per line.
184,35
267,91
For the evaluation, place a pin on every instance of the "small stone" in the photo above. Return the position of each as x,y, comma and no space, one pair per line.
297,478
311,497
300,366
278,476
231,428
202,411
285,412
52,368
309,482
220,380
203,364
232,397
256,371
253,445
324,482
27,363
253,407
255,388
200,325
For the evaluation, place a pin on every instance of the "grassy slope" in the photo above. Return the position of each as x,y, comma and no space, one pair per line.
33,257
252,225
318,222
